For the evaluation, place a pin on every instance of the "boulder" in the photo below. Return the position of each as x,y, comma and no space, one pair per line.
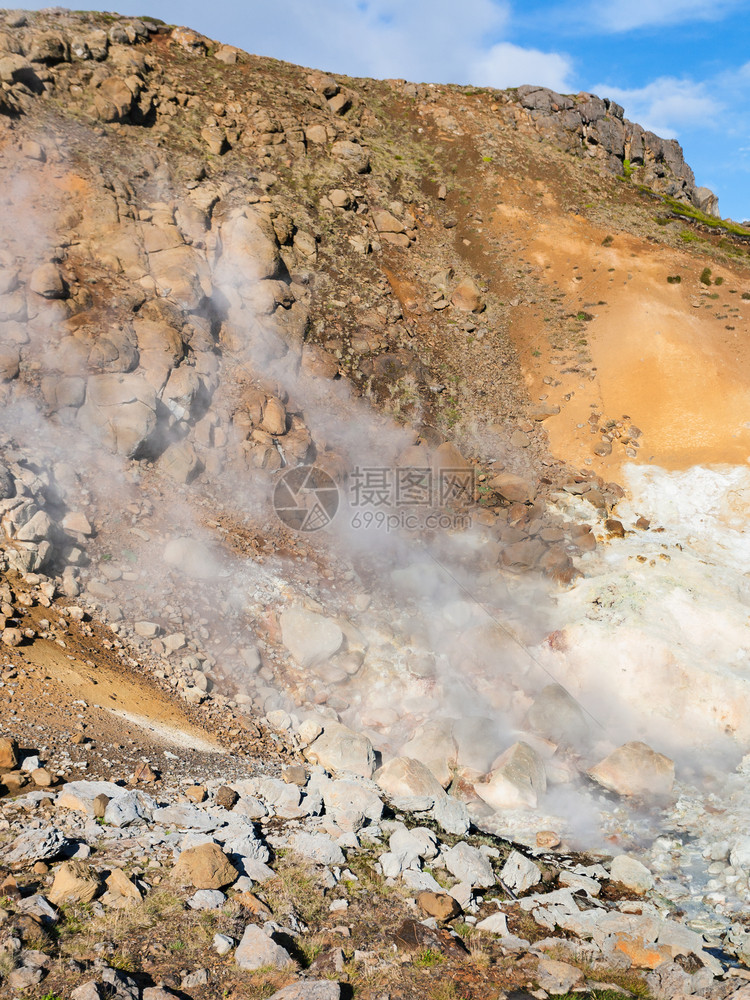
558,977
635,769
317,847
205,867
47,281
81,795
433,744
35,845
467,296
631,873
439,905
516,780
406,778
309,637
122,408
8,753
387,223
469,865
520,873
513,488
351,155
557,716
257,950
341,749
75,882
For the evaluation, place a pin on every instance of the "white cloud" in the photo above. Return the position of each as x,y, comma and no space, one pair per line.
423,40
616,16
666,105
507,65
437,41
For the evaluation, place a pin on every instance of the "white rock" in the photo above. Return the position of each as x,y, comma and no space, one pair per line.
223,944
207,899
341,749
406,778
519,872
451,815
516,781
631,873
80,795
257,950
468,864
496,923
317,847
309,637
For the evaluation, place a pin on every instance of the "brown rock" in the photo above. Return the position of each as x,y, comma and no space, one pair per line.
547,839
467,296
100,806
274,417
614,527
414,936
42,778
119,886
8,753
75,882
226,797
196,793
250,902
439,905
295,774
144,773
516,489
47,281
387,223
14,780
205,867
542,411
12,637
635,769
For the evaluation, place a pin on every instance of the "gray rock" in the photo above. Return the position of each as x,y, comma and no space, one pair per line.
119,986
257,950
557,977
316,989
207,899
185,817
129,809
36,845
246,847
317,847
223,944
520,873
451,815
87,991
468,864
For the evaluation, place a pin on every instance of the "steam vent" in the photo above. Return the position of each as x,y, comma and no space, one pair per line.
374,486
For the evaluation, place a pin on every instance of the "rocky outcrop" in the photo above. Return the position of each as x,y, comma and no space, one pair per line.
585,124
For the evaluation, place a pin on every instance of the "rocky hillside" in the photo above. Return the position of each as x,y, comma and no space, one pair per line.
241,756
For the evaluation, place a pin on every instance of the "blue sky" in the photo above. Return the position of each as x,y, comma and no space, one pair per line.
679,67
